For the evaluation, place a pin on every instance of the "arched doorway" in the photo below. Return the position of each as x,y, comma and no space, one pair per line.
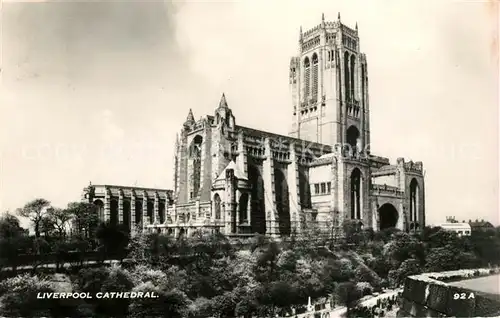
388,216
258,206
282,201
356,194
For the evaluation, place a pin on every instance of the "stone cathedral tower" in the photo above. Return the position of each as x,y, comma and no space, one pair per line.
329,87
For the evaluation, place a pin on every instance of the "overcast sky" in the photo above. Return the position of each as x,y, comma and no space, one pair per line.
96,91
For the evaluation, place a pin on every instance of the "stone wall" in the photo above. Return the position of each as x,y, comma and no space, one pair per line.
427,296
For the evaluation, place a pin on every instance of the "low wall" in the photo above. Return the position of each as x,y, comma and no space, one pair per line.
427,295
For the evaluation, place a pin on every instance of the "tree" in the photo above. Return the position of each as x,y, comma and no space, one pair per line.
35,211
171,303
408,267
85,218
12,240
348,294
113,240
60,219
441,259
10,226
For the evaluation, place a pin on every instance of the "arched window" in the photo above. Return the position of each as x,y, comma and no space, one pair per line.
347,77
151,211
195,159
307,77
258,204
113,218
138,211
356,194
100,209
353,139
243,207
217,206
282,201
315,76
414,204
126,214
161,211
352,90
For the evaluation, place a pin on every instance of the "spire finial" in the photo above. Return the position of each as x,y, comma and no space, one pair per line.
323,17
223,102
338,16
190,116
356,25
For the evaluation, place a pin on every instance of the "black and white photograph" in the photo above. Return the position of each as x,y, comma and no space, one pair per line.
249,159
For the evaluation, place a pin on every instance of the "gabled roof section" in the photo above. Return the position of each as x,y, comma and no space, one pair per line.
237,172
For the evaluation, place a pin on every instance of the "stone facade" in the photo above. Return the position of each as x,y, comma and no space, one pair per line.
136,208
240,181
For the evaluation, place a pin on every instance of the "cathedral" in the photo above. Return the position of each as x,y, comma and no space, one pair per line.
240,181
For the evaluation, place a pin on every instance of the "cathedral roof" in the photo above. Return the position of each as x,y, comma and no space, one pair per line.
237,172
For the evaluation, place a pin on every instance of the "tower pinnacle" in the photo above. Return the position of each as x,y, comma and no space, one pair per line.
190,116
338,16
223,102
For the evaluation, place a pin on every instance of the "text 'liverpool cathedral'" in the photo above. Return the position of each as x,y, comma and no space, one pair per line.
240,181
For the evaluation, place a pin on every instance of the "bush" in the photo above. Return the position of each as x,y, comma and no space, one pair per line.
18,296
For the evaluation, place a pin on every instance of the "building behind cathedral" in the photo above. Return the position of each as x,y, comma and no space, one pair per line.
240,181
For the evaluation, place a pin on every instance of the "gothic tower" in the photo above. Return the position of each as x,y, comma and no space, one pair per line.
329,87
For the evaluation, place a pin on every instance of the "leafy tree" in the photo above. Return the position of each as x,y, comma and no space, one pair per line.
113,240
85,218
408,267
402,247
60,220
12,240
348,295
10,226
171,303
441,259
35,211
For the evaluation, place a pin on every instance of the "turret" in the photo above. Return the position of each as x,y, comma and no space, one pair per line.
223,114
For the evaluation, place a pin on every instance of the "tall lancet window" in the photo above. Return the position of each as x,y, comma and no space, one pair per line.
414,200
314,76
217,206
363,75
195,160
307,78
352,90
356,194
347,82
